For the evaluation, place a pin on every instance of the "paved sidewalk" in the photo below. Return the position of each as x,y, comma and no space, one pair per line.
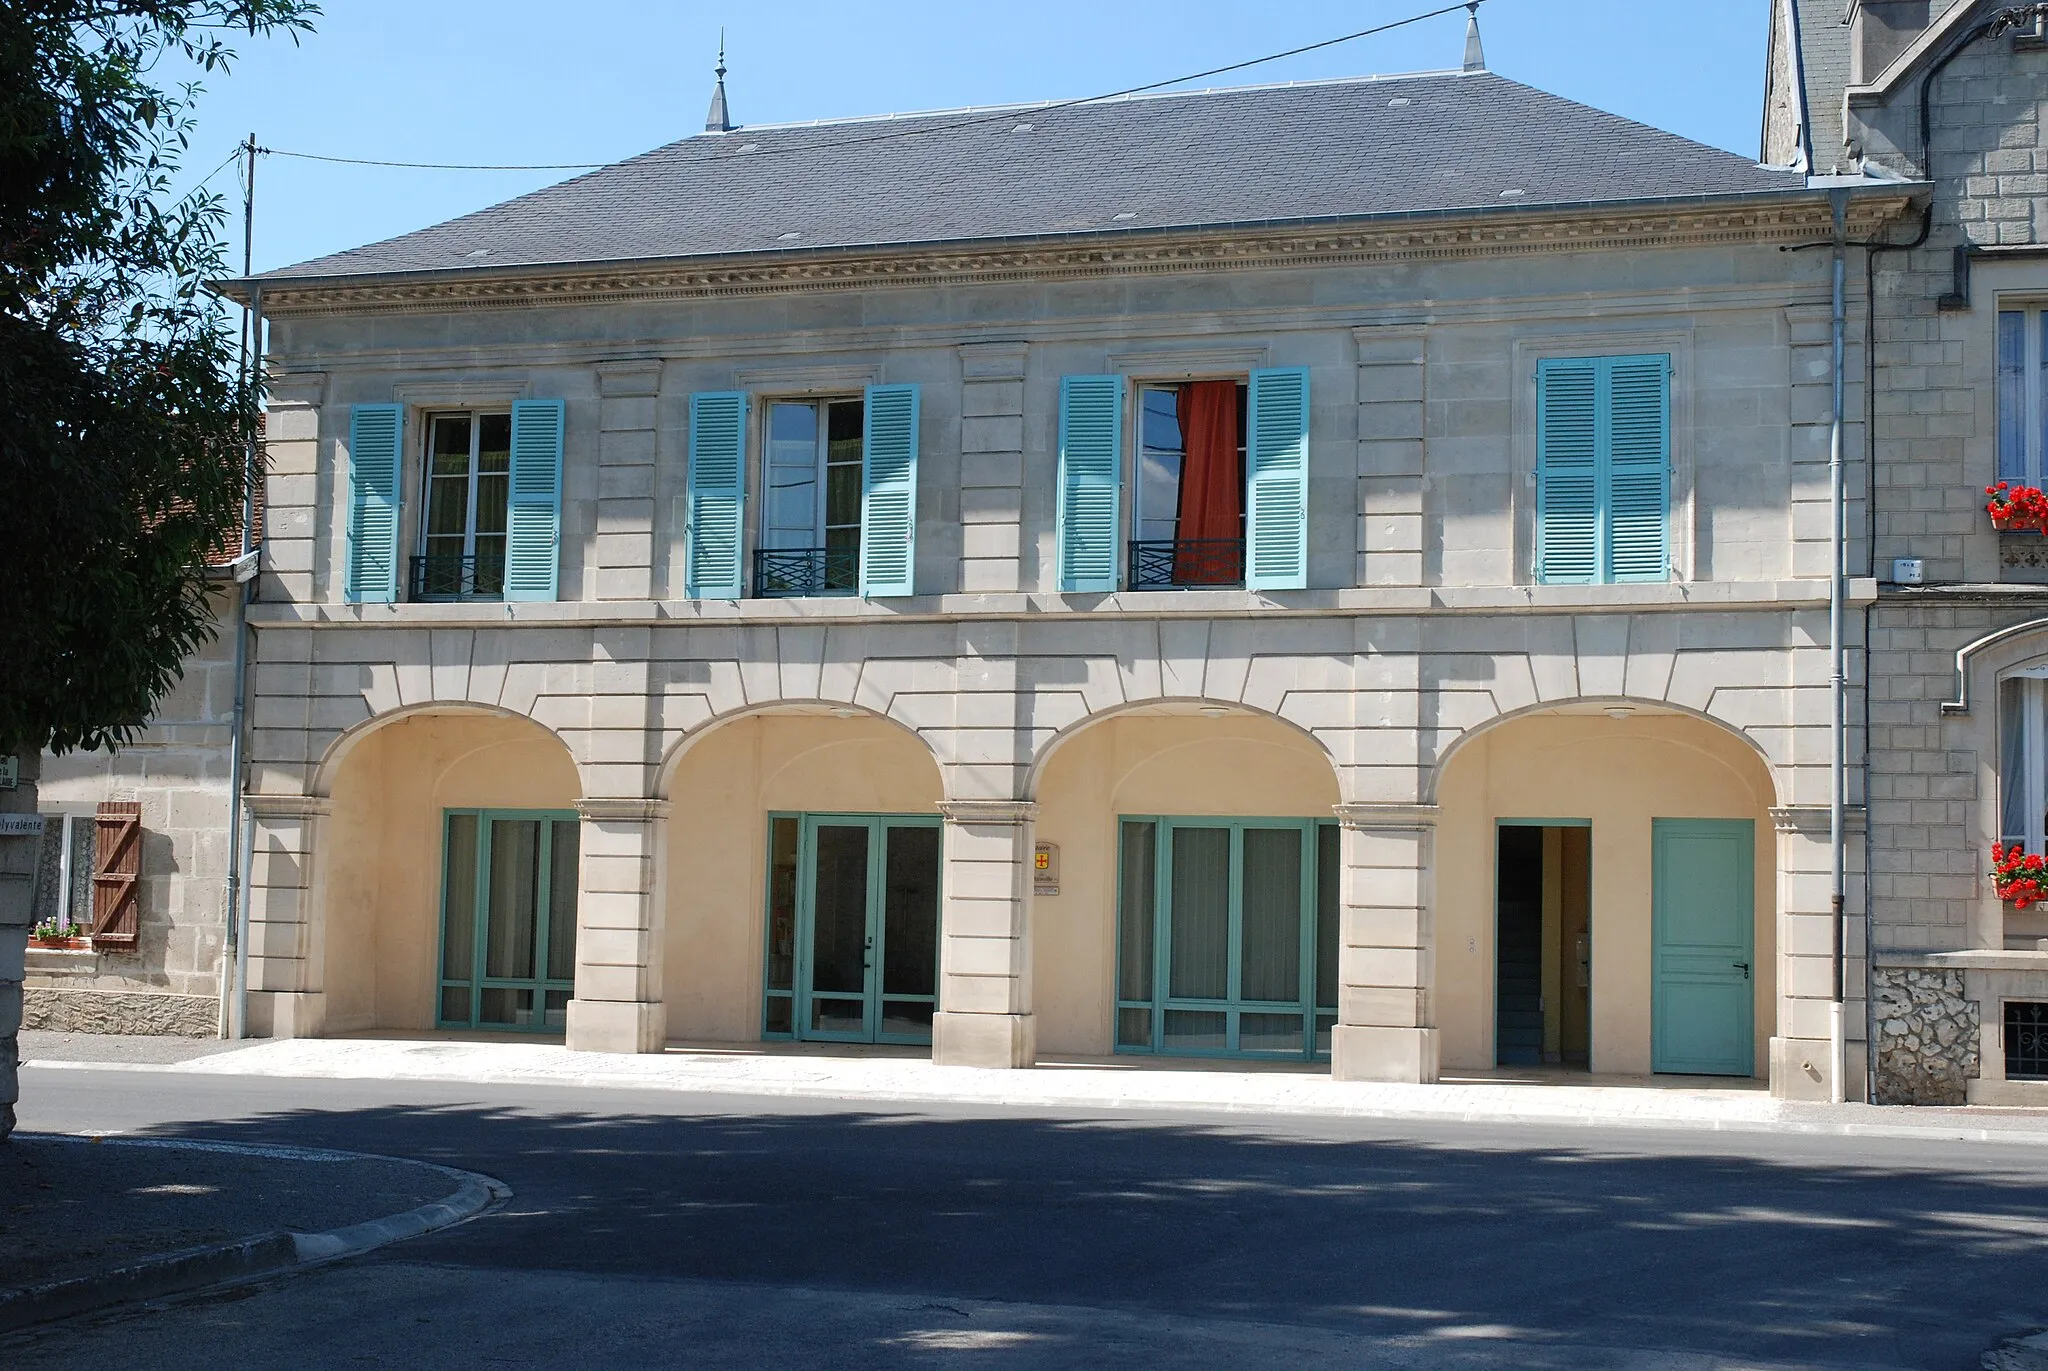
868,1075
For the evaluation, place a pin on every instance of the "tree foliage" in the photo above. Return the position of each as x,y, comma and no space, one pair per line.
123,422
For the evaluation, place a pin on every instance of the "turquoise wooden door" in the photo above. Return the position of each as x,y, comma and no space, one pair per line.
1704,920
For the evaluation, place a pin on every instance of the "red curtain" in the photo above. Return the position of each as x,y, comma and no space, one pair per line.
1211,485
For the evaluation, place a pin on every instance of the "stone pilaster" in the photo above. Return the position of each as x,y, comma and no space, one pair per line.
984,1016
285,970
627,441
1393,377
292,517
1801,1054
620,912
991,465
1386,1030
18,857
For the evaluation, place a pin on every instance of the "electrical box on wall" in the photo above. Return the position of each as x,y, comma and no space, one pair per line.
1907,571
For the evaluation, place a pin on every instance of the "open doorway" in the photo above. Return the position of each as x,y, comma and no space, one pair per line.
1543,943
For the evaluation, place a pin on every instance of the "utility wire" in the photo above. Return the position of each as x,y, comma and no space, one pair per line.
1005,115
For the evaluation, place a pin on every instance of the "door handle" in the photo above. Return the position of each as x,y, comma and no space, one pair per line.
1743,967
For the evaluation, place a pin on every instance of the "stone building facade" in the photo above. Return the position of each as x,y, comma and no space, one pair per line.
1956,639
577,791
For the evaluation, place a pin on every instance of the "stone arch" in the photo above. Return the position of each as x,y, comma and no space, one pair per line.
679,750
388,785
1185,706
1592,706
336,754
1567,765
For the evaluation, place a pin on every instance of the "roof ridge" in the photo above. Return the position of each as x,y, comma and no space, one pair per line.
1083,101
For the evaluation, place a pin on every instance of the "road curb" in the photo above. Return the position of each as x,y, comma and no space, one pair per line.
264,1254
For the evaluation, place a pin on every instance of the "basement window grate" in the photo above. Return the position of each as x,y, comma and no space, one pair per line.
2026,1040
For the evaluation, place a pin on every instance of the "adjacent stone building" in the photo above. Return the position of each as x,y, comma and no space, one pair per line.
1949,95
1333,572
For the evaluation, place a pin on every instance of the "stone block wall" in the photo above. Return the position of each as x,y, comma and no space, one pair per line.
1926,1036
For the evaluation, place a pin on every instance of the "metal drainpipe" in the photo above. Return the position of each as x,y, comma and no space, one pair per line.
1838,680
238,906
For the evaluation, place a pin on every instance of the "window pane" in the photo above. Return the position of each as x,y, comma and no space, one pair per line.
1137,908
910,913
779,1015
843,430
1186,1030
790,512
1134,1028
491,493
1329,912
450,445
455,1004
562,883
2012,395
781,905
1269,931
500,1007
494,442
1271,1033
511,928
907,1018
46,901
79,908
1200,917
1159,458
839,910
458,935
448,508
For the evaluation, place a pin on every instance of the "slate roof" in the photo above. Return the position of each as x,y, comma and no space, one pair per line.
1323,151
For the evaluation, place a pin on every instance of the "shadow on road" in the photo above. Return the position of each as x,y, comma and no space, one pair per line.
1458,1237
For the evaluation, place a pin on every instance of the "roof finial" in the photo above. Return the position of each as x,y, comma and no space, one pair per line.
718,121
1475,55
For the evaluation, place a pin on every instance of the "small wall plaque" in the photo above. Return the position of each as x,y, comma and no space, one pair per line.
1045,869
10,772
21,825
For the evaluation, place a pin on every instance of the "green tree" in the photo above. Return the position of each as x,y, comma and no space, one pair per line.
123,422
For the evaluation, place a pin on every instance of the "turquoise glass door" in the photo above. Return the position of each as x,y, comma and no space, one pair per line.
1226,937
508,919
853,928
1703,920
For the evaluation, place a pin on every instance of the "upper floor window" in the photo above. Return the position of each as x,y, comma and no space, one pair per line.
2022,414
468,487
1188,505
810,513
840,513
2022,761
1603,469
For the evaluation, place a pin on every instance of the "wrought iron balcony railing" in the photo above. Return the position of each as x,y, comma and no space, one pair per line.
788,571
444,576
1184,563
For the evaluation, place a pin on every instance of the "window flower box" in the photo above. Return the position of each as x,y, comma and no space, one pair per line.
2016,509
2020,877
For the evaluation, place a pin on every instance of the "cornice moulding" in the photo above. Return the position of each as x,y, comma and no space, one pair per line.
1444,239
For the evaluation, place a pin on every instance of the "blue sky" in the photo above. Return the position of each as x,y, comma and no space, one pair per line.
511,81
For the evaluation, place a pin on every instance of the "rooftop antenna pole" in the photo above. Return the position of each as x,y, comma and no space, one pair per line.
235,977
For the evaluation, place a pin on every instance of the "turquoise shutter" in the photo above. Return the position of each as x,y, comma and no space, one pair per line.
1091,479
717,495
1638,432
373,467
1568,539
888,492
533,507
1276,495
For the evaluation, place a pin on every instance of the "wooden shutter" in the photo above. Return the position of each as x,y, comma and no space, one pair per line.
533,513
1568,550
717,495
374,433
1638,432
1276,496
888,492
1091,480
116,866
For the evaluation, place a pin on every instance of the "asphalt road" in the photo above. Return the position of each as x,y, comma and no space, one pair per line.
675,1230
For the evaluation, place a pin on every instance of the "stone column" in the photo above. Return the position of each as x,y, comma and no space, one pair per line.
1386,1030
19,852
286,998
984,1016
1801,1055
620,922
